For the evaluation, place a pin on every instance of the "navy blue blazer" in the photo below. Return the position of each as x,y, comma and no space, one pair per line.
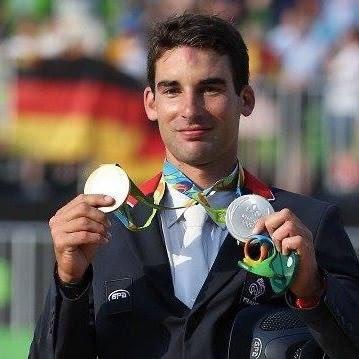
129,310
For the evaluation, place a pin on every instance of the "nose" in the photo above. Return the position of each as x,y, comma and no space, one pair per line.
192,105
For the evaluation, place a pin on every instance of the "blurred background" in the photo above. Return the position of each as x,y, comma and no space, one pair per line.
71,79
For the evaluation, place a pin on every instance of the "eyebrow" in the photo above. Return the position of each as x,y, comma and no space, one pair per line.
209,81
213,81
167,83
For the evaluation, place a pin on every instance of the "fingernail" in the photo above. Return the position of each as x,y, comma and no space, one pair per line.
109,235
109,199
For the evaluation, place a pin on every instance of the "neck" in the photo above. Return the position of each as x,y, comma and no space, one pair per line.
205,175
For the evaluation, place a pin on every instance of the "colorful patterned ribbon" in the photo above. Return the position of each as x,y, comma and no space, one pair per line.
175,178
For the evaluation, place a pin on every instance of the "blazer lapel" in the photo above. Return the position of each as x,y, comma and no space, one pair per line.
223,270
226,266
149,249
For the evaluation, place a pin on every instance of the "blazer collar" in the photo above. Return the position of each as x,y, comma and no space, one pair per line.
251,184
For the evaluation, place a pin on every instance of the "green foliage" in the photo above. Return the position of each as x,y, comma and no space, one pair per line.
14,344
5,283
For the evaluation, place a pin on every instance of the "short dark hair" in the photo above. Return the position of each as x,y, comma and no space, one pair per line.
199,31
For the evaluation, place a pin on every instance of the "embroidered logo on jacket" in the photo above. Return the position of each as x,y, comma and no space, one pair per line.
255,290
118,294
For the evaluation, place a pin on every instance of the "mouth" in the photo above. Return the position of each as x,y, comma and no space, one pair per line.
194,132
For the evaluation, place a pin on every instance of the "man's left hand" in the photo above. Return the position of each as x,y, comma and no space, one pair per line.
290,234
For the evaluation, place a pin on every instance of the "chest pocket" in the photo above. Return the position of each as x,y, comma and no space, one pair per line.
118,296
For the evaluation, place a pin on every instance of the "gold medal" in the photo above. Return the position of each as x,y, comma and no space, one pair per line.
110,180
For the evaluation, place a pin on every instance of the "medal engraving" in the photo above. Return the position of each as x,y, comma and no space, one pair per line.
243,214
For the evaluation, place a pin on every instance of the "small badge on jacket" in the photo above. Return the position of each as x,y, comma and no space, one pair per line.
254,291
119,295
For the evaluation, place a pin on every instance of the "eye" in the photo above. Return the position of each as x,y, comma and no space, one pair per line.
212,90
171,91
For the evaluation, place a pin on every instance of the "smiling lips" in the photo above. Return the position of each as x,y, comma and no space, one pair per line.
195,132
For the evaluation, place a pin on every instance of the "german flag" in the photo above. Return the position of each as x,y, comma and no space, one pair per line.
83,110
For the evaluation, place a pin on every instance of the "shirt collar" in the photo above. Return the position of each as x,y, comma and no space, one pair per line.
174,198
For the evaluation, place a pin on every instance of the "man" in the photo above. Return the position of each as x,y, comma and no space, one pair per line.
137,295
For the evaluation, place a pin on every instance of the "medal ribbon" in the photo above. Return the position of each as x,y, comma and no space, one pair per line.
175,178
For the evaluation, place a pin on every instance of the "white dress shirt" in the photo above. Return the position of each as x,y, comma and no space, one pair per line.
173,226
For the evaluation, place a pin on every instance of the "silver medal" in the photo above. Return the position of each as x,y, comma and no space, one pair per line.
111,180
243,213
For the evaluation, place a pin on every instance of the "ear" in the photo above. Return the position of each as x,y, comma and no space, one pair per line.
247,100
150,105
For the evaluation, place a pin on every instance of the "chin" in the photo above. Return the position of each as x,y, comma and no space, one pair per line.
197,158
195,153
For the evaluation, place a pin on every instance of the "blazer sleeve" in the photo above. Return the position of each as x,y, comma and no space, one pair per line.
334,323
66,326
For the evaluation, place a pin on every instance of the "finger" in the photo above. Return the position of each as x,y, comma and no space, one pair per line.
280,234
287,229
260,226
292,244
82,238
84,210
290,229
84,224
78,199
272,221
277,219
95,200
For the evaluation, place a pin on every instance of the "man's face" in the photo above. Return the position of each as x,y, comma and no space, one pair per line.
196,106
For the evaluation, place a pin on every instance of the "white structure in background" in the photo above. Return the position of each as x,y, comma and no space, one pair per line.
76,27
72,29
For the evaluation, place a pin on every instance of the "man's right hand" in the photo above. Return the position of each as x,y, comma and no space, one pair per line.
77,230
